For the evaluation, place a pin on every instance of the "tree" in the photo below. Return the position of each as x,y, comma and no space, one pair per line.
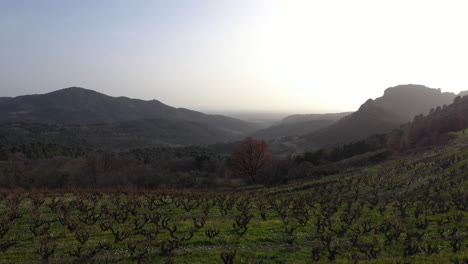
250,158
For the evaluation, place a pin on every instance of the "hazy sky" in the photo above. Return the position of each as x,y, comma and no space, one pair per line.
290,55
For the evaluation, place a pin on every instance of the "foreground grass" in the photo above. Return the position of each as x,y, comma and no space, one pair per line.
408,210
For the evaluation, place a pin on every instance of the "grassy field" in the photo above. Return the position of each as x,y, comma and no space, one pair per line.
407,210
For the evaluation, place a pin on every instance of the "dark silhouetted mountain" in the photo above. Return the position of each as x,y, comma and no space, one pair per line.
397,106
81,106
463,93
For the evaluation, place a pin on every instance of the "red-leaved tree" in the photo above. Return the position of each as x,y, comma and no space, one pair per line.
250,158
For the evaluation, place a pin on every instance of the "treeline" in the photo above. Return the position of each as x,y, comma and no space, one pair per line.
41,150
156,168
190,167
432,129
373,143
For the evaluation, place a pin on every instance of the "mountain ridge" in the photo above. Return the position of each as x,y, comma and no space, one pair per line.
314,117
298,125
76,105
398,105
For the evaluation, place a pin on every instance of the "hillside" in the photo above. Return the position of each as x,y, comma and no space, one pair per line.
313,117
81,106
291,129
403,202
433,128
411,208
397,106
119,136
298,125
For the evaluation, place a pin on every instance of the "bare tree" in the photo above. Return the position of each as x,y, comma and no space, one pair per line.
250,158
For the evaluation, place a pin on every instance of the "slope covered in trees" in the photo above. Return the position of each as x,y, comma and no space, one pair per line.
119,136
432,129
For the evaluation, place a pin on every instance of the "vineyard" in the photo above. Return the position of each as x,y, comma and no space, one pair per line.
412,209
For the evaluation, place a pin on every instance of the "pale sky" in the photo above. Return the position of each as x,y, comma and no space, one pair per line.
299,56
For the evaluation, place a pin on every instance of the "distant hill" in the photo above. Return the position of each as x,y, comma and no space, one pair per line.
262,119
114,123
313,117
463,93
397,106
298,125
81,106
368,120
291,129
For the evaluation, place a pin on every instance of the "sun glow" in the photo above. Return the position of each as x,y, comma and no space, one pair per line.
326,51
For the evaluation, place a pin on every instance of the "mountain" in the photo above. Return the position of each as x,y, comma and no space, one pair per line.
79,116
298,125
407,101
76,105
463,93
397,106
